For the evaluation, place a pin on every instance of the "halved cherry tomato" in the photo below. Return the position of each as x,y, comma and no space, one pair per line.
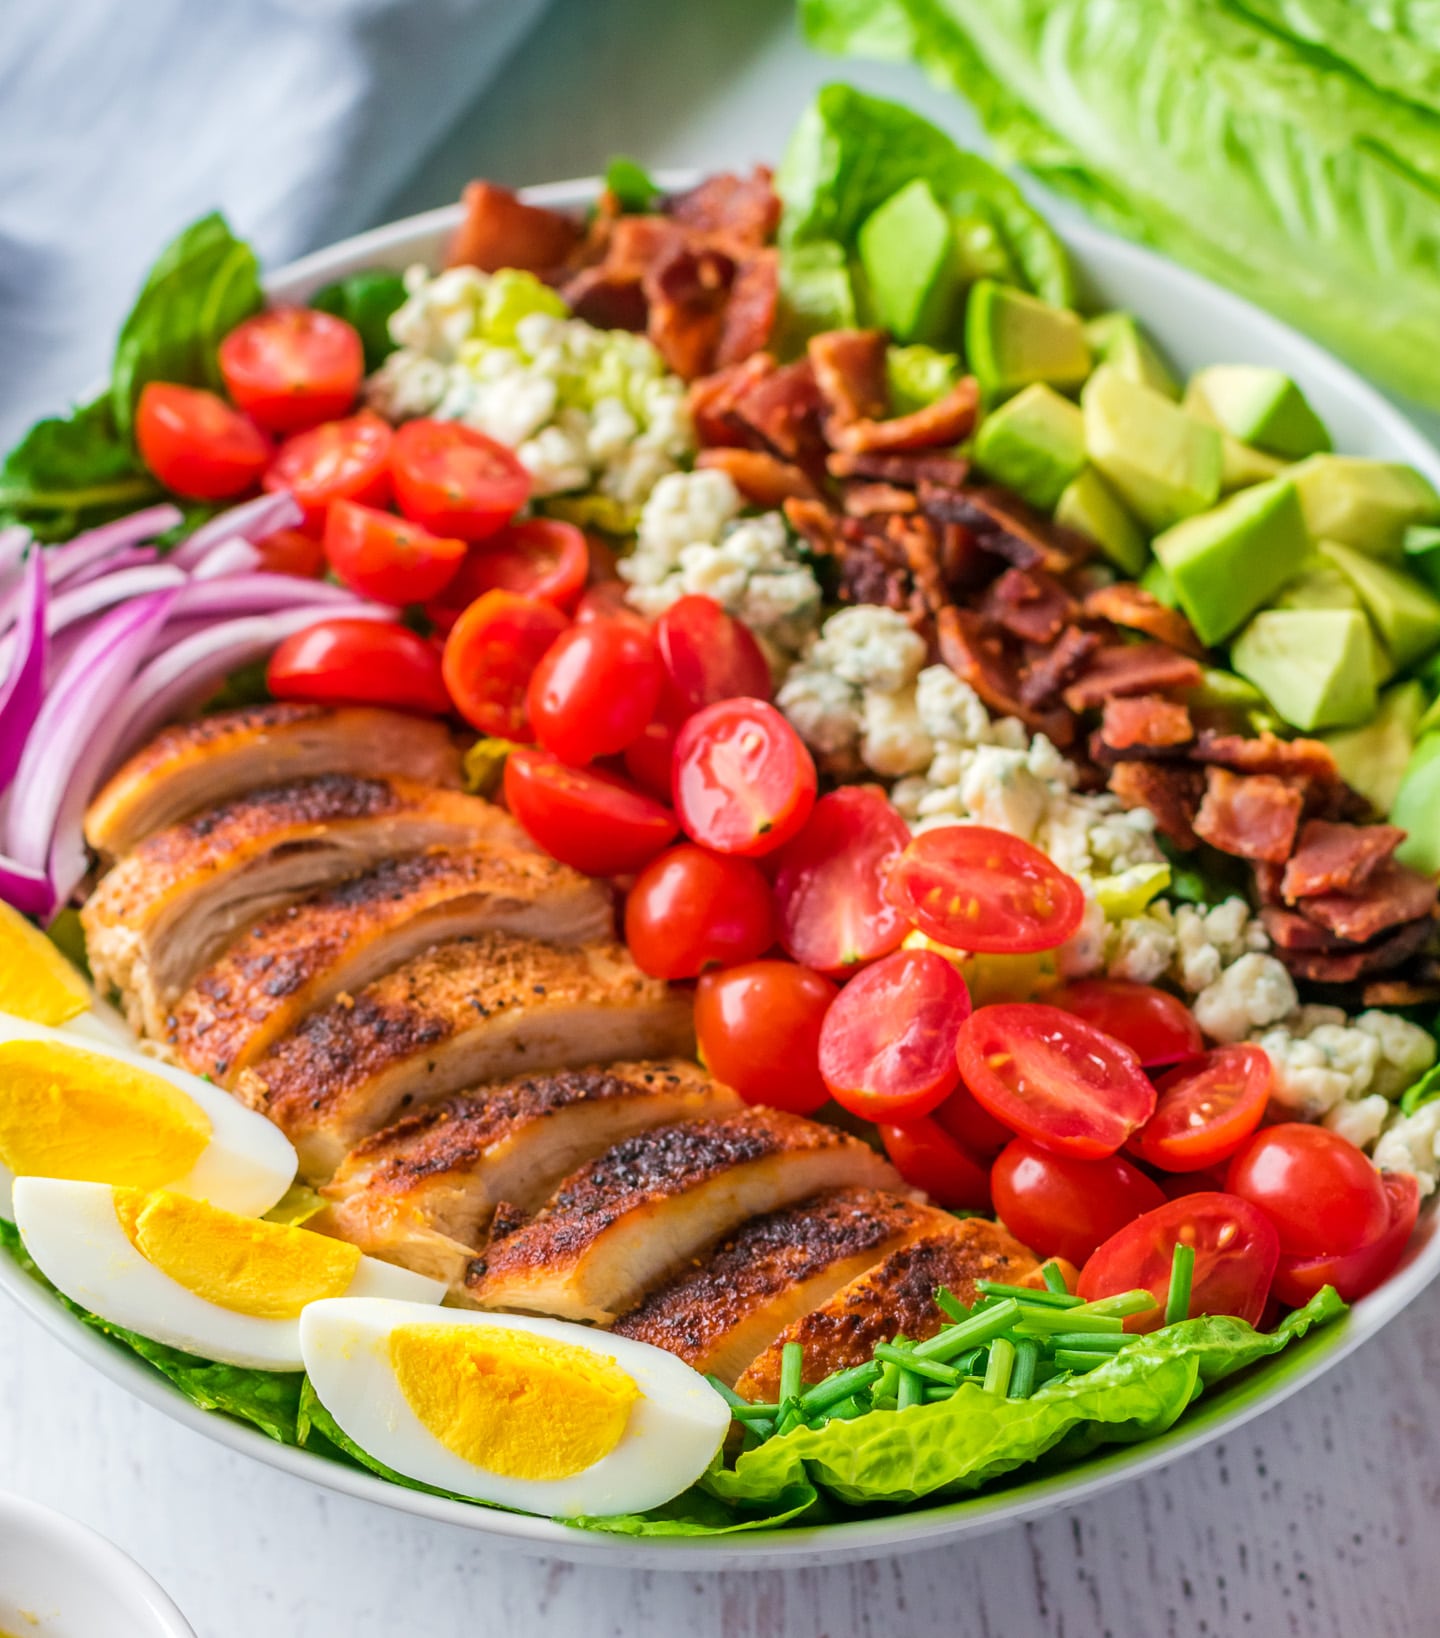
195,444
1321,1193
1357,1273
455,480
490,654
291,551
979,889
385,557
743,781
1236,1250
594,690
650,757
830,887
359,662
292,367
1205,1109
605,600
1064,1207
887,1051
539,557
591,821
972,1126
928,1158
341,460
1156,1025
709,656
690,909
1054,1078
758,1026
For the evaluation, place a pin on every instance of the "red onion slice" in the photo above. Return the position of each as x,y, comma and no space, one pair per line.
250,522
23,690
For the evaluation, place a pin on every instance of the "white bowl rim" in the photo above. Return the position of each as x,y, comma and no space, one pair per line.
794,1547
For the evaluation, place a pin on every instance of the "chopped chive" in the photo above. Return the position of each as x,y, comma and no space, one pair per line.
790,1416
838,1386
728,1394
1182,1273
1022,1378
1047,1370
1053,1277
1047,1321
754,1413
950,1305
969,1364
1027,1293
955,1339
1000,1367
906,1360
912,1390
756,1433
792,1364
1072,1359
1121,1306
1091,1342
845,1410
936,1393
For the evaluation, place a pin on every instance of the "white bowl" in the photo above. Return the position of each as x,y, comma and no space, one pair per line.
58,1579
1195,324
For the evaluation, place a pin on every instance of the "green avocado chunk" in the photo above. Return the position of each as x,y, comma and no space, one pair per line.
1092,507
1263,407
1405,613
1159,584
1034,444
1118,339
1416,805
1164,464
1231,560
1422,553
1364,503
1372,758
1012,339
1321,585
907,254
1313,665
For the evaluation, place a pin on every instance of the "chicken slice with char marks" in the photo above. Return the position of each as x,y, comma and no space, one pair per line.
463,1014
422,1192
719,1315
214,759
629,1219
302,957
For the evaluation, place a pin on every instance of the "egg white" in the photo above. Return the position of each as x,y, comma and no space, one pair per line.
675,1427
245,1167
75,1236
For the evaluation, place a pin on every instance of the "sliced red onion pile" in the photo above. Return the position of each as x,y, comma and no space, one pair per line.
102,640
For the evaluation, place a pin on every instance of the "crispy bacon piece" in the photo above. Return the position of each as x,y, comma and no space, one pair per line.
1400,992
712,401
1337,858
976,653
945,422
1030,604
1134,668
1290,758
783,407
687,292
1145,722
868,500
909,471
1003,524
500,230
849,370
1173,793
1381,956
750,312
763,479
1393,894
742,209
916,538
1290,930
1046,676
610,292
1134,608
817,525
1253,816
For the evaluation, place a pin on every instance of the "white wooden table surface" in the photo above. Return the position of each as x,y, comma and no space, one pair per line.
1319,1519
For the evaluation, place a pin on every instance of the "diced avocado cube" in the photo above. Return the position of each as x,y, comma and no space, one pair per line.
1263,407
1013,338
1231,560
1242,465
1164,464
1313,665
1430,718
1416,805
1405,613
1319,585
816,293
1422,553
1373,757
1034,444
907,253
1363,503
917,376
1223,690
1118,339
1159,584
1092,507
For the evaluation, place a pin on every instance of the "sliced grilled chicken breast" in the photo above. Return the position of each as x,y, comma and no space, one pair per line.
217,758
302,957
170,907
422,1193
477,1010
897,1295
719,1315
626,1221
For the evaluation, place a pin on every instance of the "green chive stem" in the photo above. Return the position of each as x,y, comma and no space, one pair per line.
906,1360
846,1410
912,1390
1022,1378
950,1305
728,1394
1182,1274
1030,1294
754,1413
955,1339
936,1394
1070,1359
838,1386
1121,1306
1091,1342
1000,1367
792,1366
1047,1321
1053,1277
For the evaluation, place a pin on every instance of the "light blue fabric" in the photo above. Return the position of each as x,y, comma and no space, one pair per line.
121,120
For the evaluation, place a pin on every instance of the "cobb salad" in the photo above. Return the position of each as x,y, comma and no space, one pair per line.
719,864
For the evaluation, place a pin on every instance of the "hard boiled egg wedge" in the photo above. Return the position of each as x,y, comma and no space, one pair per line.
185,1273
534,1414
102,1113
39,983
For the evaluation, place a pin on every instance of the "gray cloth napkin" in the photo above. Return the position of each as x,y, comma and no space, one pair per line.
122,120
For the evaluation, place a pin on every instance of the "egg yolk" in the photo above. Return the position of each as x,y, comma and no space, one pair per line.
511,1402
68,1113
37,983
268,1270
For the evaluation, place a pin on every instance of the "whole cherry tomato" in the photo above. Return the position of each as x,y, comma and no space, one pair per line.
1064,1207
1157,1026
1357,1273
758,1026
591,821
359,662
594,690
1321,1193
928,1158
690,909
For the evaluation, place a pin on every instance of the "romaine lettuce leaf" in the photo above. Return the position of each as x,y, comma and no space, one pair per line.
70,472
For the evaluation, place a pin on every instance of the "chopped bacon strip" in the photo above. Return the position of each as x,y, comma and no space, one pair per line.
1171,791
945,422
1337,858
1394,894
1253,816
687,293
763,479
1291,931
1291,758
1031,604
783,407
944,471
916,538
1345,967
816,525
1045,677
976,653
742,209
712,401
1003,524
850,371
1134,608
610,291
750,312
500,230
868,500
1400,992
1267,882
1145,722
1132,668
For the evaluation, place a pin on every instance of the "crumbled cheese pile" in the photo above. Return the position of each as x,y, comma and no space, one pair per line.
584,409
